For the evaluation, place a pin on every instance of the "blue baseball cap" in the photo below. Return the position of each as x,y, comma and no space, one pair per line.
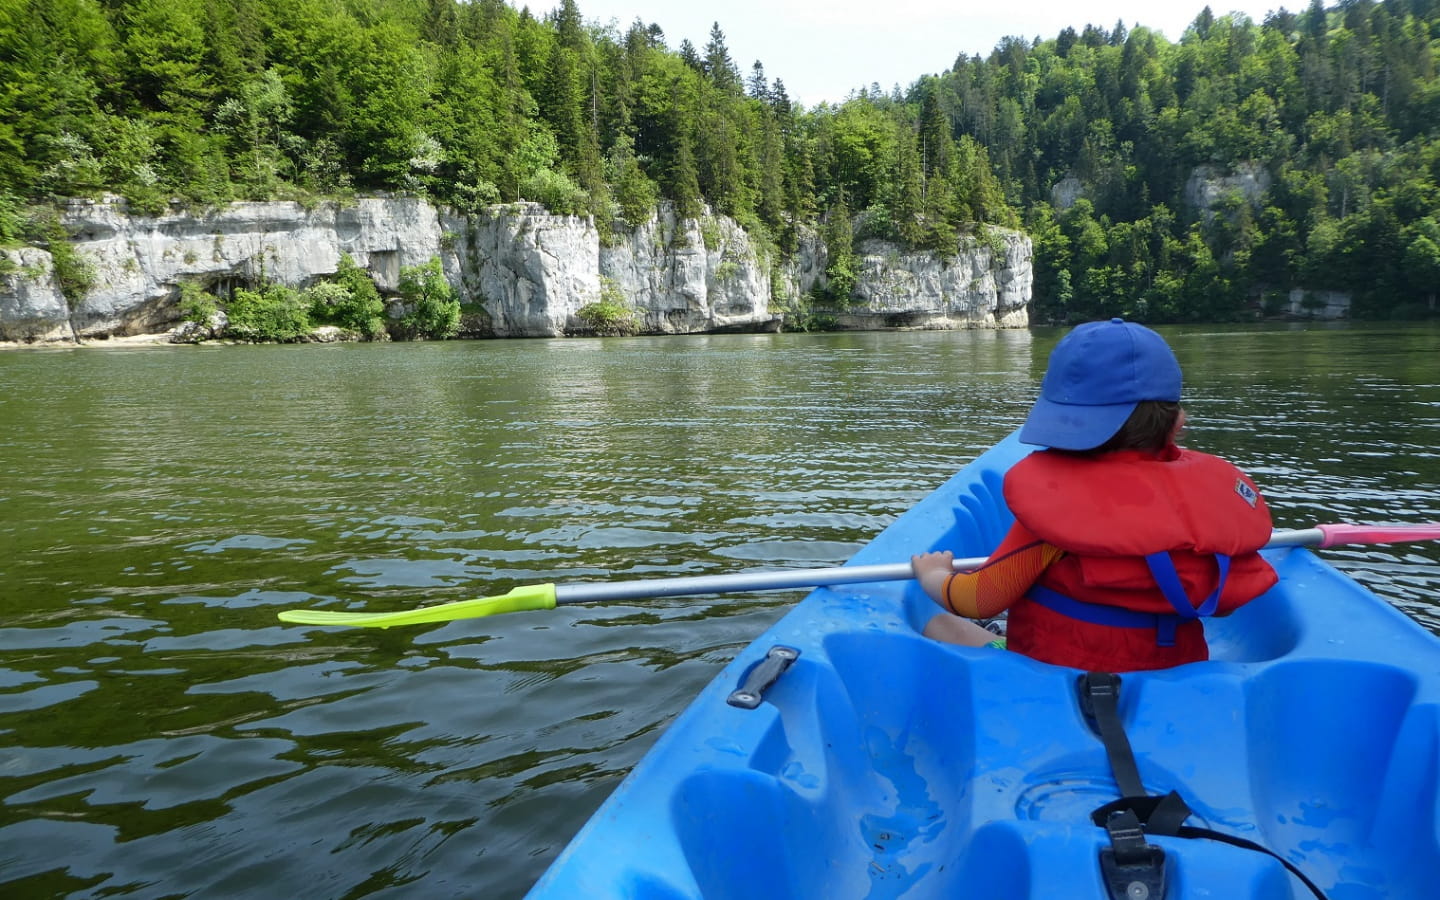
1098,373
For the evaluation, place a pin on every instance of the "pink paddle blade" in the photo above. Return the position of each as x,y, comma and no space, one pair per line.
1378,534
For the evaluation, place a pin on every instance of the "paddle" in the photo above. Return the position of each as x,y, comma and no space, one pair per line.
549,596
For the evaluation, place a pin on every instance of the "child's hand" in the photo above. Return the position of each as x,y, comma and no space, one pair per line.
933,570
932,564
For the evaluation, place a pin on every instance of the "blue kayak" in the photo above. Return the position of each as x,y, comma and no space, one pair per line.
882,764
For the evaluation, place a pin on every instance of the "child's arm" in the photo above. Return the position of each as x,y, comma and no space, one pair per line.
995,586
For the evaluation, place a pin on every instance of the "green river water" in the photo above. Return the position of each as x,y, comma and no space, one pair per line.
163,735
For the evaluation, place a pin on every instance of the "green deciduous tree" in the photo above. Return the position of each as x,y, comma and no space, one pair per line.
275,313
349,300
431,308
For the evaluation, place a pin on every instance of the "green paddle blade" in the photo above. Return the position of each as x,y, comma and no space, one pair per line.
528,597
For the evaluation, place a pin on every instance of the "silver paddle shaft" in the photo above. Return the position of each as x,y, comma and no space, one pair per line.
740,581
788,579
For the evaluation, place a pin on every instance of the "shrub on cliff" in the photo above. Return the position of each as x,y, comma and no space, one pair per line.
431,310
12,219
611,315
556,191
350,301
197,305
277,314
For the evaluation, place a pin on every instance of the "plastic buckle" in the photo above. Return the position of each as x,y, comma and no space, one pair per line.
1132,868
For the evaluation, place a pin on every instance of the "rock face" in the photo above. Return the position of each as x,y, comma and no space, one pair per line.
1066,191
1303,304
1208,186
531,271
691,275
526,273
1205,189
31,305
986,285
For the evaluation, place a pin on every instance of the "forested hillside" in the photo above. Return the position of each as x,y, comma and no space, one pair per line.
207,101
1339,109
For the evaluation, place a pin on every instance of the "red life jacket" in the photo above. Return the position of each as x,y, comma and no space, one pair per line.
1109,513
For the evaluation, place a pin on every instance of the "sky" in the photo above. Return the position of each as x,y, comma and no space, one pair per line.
824,49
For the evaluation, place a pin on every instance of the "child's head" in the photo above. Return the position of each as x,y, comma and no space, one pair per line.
1100,377
1152,426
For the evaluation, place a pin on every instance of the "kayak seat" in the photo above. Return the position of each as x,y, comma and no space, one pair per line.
1265,629
1329,763
838,772
1342,758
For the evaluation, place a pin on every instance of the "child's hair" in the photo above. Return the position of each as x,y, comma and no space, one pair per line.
1149,427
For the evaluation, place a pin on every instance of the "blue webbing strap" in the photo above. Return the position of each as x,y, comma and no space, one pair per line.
1100,614
1162,568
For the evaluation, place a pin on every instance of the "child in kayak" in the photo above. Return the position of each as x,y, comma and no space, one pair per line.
1122,540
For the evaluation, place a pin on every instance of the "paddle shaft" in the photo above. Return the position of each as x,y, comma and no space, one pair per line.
600,592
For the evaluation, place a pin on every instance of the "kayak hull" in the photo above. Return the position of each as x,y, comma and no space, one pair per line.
882,764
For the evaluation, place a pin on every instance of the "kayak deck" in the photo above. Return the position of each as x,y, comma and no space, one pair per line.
882,764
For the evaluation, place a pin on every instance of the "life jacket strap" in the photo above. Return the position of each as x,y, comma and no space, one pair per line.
1162,569
1164,624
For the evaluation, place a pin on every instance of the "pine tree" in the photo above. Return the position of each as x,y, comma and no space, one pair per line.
771,206
935,141
840,269
758,87
684,182
718,64
907,209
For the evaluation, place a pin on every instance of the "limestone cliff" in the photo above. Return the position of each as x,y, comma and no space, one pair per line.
526,272
986,284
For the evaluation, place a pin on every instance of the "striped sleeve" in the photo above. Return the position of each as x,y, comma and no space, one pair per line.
1005,577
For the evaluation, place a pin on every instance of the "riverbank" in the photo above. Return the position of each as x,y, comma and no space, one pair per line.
133,340
172,338
330,335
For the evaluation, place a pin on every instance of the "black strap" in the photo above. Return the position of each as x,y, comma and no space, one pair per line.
1129,859
1130,866
1189,831
1100,703
1164,816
